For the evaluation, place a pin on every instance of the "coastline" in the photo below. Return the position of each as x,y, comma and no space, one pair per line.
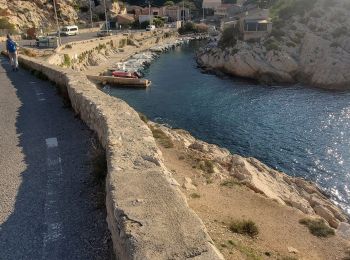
211,177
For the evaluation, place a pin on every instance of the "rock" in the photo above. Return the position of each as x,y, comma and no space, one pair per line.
327,215
188,185
343,230
314,52
292,250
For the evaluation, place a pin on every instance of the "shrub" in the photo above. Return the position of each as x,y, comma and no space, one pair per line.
66,60
195,196
162,138
158,22
188,27
230,183
340,31
271,45
229,37
317,227
244,227
84,9
277,33
206,166
143,117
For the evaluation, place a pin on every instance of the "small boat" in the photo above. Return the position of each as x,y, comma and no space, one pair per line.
126,74
121,81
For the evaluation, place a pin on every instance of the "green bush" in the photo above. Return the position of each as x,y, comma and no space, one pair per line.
271,45
229,37
190,27
66,61
244,227
317,227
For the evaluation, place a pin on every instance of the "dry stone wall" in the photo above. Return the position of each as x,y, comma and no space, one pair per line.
147,214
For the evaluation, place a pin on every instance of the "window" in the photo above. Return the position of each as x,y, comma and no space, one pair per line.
262,27
250,26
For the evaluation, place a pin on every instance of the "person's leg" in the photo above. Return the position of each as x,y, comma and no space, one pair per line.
11,57
15,60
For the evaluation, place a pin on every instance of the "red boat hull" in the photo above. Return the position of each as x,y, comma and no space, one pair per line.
123,74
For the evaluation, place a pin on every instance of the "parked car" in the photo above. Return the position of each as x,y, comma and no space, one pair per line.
70,30
104,33
46,41
150,27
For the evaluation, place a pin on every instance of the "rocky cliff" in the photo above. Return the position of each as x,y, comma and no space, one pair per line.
40,13
291,191
309,44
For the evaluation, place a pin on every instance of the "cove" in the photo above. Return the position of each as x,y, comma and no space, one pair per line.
301,131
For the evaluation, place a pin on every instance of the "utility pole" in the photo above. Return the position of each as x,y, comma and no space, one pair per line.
107,27
149,11
183,11
57,23
92,25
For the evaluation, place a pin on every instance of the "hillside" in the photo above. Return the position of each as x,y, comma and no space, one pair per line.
309,43
22,14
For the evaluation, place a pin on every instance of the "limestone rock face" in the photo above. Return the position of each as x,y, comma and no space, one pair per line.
40,13
314,50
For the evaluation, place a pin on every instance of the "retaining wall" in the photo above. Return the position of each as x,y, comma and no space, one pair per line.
147,214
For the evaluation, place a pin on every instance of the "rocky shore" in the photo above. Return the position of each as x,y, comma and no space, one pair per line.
277,186
140,61
313,48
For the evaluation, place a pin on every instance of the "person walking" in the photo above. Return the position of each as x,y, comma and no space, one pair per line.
11,47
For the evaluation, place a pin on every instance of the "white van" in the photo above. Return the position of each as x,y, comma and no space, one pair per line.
70,30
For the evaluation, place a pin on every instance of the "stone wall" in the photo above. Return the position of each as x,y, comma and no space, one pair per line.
147,214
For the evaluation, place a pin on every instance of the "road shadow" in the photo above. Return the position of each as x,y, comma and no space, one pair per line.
84,233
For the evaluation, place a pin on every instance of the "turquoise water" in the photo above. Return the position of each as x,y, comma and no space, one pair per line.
301,131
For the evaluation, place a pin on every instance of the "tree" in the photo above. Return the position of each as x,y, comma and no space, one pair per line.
169,3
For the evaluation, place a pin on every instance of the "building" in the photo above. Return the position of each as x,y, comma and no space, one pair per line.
255,24
211,4
176,13
223,10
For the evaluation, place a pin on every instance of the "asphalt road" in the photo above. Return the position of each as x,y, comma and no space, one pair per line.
64,39
50,207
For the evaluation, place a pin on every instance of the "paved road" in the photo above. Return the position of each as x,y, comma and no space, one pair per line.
49,207
64,39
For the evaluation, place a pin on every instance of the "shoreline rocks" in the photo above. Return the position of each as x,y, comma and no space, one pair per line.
312,49
278,186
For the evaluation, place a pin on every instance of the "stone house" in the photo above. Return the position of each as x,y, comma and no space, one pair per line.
255,24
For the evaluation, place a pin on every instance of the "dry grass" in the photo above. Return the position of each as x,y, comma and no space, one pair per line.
195,196
317,227
244,227
162,138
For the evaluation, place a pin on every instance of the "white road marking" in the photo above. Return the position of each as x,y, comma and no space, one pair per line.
53,235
